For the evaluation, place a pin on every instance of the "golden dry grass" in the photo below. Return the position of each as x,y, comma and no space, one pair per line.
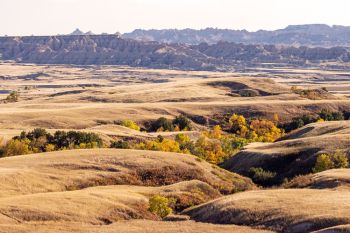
59,191
298,210
102,209
72,97
77,169
131,226
96,205
334,178
97,190
296,153
322,128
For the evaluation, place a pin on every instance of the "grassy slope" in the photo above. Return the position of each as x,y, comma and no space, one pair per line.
76,169
335,178
299,210
131,226
296,153
82,189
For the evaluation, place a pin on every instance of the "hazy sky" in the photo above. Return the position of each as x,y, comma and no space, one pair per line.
43,17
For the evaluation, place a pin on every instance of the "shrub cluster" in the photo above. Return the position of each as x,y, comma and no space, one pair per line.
258,130
261,176
313,94
324,115
180,123
159,205
214,145
330,161
39,140
12,97
130,124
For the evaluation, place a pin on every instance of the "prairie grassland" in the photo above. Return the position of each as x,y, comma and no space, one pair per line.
107,190
73,97
290,210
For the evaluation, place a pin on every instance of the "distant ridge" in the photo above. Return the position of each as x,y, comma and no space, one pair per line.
114,50
298,35
78,32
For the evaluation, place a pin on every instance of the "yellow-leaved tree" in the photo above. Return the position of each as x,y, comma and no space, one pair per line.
265,131
238,125
130,124
216,133
209,149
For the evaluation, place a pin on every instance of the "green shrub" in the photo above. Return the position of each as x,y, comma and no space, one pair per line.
12,97
162,124
179,123
120,145
323,162
261,176
232,144
299,122
331,116
71,139
39,140
248,93
340,159
159,205
182,122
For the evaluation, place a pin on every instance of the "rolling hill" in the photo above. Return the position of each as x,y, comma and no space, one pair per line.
293,210
296,153
106,190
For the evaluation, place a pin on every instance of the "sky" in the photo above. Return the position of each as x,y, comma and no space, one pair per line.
52,17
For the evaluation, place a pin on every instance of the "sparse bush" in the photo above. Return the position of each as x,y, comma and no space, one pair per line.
12,97
324,115
120,145
162,124
312,94
248,93
323,163
261,176
232,144
165,125
182,122
331,116
340,159
130,124
159,205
